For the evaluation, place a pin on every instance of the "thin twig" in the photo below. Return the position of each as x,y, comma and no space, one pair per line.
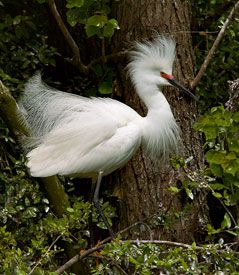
77,258
99,246
76,59
69,39
168,243
214,47
184,245
49,248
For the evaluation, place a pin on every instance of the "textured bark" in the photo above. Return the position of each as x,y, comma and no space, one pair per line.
143,184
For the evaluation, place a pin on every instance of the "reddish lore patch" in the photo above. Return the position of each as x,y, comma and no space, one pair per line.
166,76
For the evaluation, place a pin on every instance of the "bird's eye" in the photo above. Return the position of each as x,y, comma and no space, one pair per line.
166,76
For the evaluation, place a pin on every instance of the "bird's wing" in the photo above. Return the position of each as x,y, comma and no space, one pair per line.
72,134
84,151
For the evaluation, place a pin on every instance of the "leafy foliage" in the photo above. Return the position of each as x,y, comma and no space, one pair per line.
224,66
30,235
23,51
93,15
221,129
32,238
150,258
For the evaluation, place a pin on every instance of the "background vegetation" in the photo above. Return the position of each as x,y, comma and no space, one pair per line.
32,238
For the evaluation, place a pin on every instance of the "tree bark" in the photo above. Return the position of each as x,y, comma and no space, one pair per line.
143,183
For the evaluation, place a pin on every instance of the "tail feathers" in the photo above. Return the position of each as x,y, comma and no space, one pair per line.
42,163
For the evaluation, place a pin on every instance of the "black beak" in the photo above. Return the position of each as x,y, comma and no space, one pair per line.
175,83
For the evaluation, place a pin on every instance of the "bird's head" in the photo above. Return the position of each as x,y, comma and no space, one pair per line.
152,63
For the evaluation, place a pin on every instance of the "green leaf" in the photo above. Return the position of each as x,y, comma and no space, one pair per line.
73,17
217,157
217,195
216,169
217,186
105,88
226,223
114,22
234,145
70,210
189,193
92,30
97,20
174,189
194,246
233,167
108,30
74,4
235,116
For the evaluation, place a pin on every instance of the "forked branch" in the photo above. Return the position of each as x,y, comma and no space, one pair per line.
102,244
76,59
214,46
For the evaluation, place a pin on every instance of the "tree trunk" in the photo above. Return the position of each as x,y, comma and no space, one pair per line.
143,183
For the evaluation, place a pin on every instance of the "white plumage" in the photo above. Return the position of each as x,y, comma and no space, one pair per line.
74,135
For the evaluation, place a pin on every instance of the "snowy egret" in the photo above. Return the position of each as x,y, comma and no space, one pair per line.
91,137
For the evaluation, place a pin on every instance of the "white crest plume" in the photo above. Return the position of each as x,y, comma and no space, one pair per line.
72,134
158,54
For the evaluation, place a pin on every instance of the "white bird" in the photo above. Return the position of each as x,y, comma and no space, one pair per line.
91,137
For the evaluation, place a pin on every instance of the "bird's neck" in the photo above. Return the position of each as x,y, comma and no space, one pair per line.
153,98
160,130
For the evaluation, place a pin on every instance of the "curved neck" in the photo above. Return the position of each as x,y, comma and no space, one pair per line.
152,96
160,134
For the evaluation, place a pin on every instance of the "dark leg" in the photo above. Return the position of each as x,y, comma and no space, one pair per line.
97,204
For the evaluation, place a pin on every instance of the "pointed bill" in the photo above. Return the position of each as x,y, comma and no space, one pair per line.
175,83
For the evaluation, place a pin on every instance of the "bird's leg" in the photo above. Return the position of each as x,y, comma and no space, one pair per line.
90,220
97,203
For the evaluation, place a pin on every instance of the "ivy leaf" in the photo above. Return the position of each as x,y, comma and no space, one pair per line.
174,189
73,16
92,30
234,145
108,30
233,167
189,193
114,23
216,169
217,186
226,223
217,157
217,195
105,88
236,116
98,20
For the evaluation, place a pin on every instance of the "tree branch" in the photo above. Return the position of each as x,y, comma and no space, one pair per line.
15,123
45,254
99,246
102,244
10,113
214,47
76,60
